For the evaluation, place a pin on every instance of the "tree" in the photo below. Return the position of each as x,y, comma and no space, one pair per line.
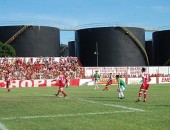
6,50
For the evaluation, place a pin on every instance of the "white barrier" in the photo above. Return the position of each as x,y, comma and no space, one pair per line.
138,80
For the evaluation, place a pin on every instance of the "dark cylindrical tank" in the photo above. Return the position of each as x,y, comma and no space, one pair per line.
72,48
161,43
149,50
64,50
111,46
34,41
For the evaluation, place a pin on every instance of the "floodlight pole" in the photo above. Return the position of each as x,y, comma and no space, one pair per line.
97,54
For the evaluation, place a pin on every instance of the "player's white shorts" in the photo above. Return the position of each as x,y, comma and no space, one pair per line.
122,88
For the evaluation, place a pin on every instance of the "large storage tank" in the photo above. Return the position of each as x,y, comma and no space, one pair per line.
111,46
72,48
149,50
32,41
161,43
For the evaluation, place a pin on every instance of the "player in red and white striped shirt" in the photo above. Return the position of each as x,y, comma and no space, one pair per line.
109,82
61,80
145,85
7,80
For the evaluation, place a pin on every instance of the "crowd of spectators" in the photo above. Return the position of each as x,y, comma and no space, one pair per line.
27,68
39,68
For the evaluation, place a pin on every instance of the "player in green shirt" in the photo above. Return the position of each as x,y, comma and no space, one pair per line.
121,87
96,79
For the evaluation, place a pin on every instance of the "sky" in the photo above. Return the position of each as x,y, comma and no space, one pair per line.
152,14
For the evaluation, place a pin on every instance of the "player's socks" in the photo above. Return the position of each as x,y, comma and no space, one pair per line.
96,87
145,95
119,96
9,90
58,92
122,95
64,93
139,96
106,88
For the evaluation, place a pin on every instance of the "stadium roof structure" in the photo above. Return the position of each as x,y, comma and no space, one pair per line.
83,26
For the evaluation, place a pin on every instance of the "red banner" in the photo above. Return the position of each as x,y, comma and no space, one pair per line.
74,82
36,83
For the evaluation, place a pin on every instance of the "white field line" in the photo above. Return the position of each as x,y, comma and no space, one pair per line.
61,115
109,105
2,127
128,109
112,105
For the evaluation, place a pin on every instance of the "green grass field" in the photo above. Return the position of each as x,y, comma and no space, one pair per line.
84,109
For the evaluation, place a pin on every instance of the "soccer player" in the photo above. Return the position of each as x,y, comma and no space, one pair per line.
145,85
7,80
109,82
67,80
96,79
121,87
61,80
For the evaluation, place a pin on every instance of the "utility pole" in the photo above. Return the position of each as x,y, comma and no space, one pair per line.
97,53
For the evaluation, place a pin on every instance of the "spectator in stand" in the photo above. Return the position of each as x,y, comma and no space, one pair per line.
39,68
145,85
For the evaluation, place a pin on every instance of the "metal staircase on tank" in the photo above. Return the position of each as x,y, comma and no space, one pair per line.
138,43
24,28
167,62
80,64
64,49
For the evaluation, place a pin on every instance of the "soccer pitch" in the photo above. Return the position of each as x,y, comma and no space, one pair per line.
84,109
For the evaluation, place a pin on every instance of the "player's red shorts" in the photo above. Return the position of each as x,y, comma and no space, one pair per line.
61,84
144,87
108,83
7,83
